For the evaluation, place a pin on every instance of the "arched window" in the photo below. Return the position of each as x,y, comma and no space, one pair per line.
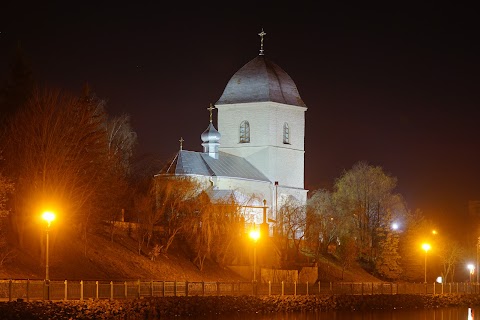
286,133
244,132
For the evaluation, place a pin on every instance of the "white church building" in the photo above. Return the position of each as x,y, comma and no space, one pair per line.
258,152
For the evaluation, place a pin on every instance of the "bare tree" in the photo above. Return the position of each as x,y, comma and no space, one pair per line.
450,253
294,222
6,188
173,205
121,140
56,152
215,229
144,215
232,228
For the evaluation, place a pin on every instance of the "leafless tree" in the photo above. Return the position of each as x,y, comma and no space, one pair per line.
451,253
121,141
56,151
294,222
173,205
6,188
215,229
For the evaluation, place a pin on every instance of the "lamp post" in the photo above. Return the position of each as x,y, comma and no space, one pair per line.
471,268
48,216
478,245
254,234
426,247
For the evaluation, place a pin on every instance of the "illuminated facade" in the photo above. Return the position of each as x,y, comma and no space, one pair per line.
258,151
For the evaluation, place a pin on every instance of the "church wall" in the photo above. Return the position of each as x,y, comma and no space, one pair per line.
261,190
255,192
290,167
266,150
283,193
266,124
295,117
229,119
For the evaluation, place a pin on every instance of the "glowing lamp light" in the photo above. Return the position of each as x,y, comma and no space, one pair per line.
426,247
439,280
48,216
471,267
395,226
255,235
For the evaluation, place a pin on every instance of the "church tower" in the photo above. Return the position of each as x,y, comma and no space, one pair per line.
261,117
259,157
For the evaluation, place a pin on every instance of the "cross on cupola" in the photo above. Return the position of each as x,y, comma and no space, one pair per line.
211,109
211,137
261,34
181,143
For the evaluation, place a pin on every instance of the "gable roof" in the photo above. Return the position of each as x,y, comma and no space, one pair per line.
227,165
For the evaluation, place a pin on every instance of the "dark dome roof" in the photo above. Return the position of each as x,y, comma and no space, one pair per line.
261,80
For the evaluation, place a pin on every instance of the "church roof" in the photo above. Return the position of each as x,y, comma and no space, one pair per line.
261,80
227,165
210,134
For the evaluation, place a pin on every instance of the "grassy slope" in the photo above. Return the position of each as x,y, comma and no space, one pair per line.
118,260
106,260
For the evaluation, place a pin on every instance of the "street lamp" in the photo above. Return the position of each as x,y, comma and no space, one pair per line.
426,247
471,267
478,245
48,216
254,234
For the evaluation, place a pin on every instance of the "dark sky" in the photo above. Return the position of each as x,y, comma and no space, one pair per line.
396,86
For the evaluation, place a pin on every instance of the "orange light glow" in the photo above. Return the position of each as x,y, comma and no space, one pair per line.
48,216
255,235
426,247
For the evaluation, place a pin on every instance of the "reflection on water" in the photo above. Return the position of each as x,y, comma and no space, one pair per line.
458,313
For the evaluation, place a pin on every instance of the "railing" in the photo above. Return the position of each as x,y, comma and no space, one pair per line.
31,290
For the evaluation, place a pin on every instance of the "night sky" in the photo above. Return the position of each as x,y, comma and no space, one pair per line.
396,86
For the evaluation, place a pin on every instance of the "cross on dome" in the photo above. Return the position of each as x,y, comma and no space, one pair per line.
261,34
211,109
181,143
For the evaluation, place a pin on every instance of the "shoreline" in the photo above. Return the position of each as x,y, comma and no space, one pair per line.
155,308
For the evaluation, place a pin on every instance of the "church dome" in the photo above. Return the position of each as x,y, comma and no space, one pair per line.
261,80
210,135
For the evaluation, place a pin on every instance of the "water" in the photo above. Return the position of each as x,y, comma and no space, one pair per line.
457,313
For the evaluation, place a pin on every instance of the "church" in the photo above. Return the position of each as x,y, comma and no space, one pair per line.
257,154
